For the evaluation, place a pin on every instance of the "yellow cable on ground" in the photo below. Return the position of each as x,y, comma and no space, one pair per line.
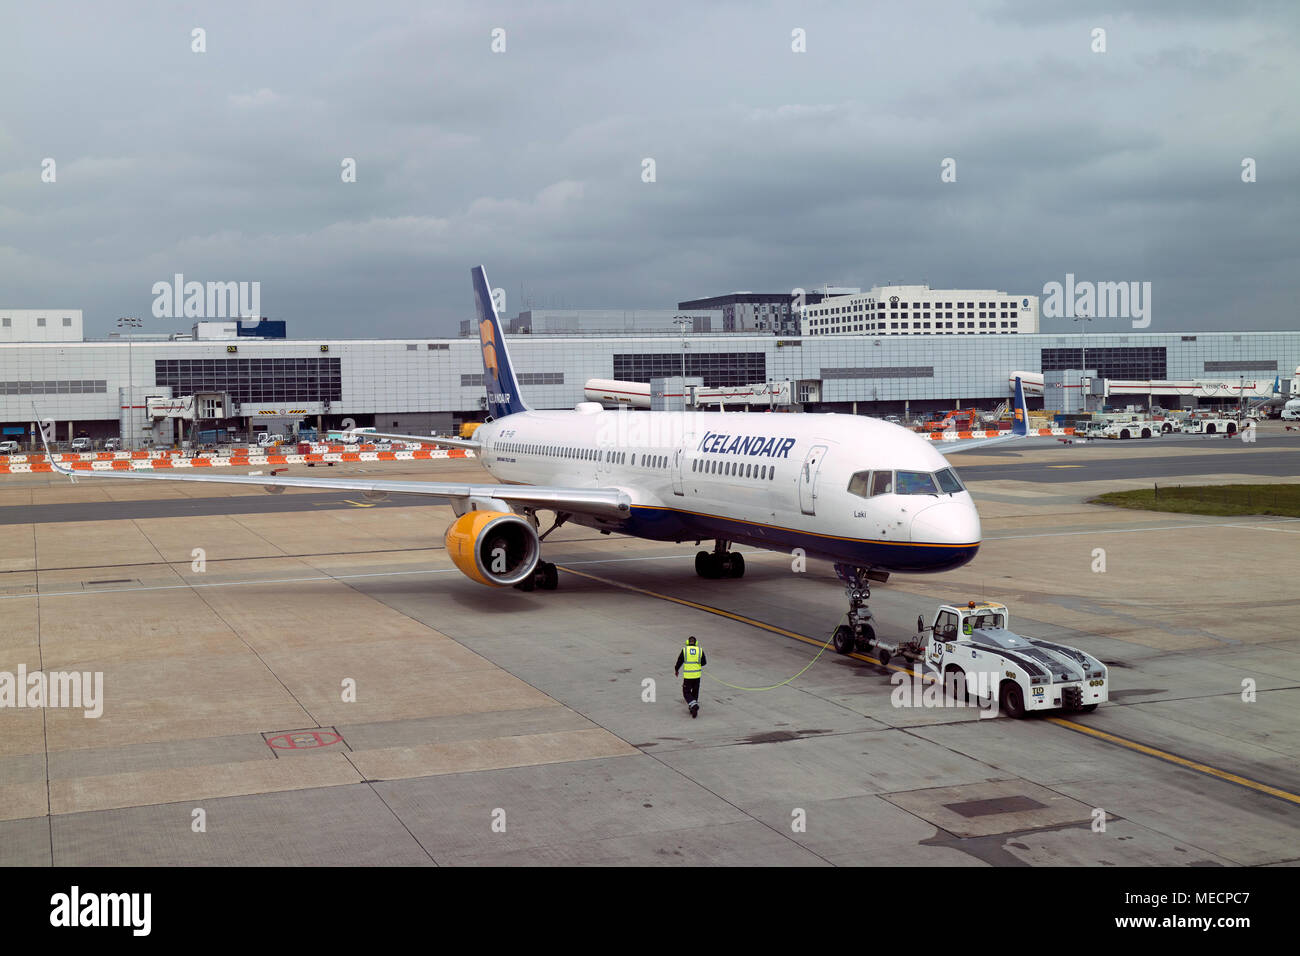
820,651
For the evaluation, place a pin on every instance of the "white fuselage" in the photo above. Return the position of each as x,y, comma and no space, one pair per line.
777,481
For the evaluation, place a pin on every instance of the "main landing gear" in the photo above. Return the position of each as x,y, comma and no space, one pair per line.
720,563
858,634
545,576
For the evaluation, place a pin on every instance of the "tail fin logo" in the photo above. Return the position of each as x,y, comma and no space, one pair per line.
488,340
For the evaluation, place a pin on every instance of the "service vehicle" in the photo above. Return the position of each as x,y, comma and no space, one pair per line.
10,448
1209,426
80,444
964,642
1135,428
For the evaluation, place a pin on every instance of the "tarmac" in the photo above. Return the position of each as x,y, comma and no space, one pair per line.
319,686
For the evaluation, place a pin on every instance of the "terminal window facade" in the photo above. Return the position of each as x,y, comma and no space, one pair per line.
899,371
1255,365
471,380
716,368
61,387
255,380
1135,362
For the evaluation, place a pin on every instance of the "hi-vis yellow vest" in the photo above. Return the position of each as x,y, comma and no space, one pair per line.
691,655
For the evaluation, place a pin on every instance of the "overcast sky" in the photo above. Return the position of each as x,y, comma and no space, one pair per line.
773,168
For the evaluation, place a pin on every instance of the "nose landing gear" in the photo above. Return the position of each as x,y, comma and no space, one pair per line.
721,563
857,634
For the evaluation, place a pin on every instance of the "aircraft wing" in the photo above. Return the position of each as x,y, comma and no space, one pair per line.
600,502
1019,429
364,433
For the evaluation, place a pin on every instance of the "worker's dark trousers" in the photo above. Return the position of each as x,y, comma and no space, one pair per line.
691,689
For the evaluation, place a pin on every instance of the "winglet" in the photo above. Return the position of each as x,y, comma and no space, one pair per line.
503,396
1020,420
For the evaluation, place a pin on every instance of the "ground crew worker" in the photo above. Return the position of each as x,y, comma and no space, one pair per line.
691,663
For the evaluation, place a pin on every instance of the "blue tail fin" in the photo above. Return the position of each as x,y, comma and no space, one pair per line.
1020,412
503,396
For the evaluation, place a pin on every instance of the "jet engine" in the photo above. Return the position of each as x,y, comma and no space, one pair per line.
493,547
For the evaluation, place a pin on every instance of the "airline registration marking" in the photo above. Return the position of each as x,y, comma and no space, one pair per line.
717,443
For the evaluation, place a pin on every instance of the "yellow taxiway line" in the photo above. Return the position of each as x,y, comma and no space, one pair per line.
1102,735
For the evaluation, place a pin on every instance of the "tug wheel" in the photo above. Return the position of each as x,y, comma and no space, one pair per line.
844,639
1012,700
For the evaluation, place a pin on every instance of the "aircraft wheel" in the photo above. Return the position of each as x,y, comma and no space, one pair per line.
704,564
527,584
737,568
550,576
844,639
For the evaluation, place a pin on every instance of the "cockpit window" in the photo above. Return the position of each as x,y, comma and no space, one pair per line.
916,483
882,483
949,483
859,484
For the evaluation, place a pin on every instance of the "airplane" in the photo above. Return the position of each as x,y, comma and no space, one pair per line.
871,497
1281,399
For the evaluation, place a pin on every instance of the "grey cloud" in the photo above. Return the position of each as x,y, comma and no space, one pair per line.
775,169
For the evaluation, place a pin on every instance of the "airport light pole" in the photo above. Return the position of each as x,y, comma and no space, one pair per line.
1083,371
683,321
130,322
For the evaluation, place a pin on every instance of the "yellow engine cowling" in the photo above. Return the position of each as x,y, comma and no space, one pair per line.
493,547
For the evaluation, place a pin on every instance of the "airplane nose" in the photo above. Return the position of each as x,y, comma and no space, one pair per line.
953,520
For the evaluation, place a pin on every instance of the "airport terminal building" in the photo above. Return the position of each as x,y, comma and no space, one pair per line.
103,388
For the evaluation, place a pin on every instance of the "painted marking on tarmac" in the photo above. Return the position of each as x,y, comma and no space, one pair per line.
323,577
1059,721
1065,466
1179,761
739,618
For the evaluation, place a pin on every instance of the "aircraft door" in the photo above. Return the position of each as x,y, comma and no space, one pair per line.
812,464
679,463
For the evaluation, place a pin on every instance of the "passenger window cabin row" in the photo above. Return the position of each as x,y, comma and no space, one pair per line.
635,459
733,469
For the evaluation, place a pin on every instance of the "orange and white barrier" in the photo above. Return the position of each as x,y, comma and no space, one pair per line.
32,464
979,433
